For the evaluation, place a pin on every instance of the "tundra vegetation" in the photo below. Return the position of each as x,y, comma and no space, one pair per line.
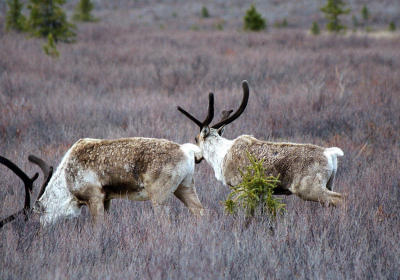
255,192
124,77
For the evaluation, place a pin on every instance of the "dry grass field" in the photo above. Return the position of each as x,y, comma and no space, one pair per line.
125,76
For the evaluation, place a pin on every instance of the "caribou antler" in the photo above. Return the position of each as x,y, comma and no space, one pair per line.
210,114
239,111
28,182
225,118
225,114
47,173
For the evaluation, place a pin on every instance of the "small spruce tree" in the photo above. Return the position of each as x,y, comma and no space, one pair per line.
204,12
392,26
315,28
15,20
253,21
83,11
365,13
333,9
50,48
256,190
47,17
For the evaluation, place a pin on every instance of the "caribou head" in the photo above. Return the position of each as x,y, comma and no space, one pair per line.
28,182
210,138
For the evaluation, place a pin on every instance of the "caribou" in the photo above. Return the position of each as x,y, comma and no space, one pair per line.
305,170
95,171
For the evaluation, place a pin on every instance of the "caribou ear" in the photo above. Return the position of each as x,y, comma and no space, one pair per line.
221,130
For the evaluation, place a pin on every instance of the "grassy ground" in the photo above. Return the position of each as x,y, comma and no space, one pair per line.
123,80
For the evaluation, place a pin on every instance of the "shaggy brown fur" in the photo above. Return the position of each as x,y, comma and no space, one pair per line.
97,171
302,168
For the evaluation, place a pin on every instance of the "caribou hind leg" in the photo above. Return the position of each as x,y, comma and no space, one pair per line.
313,188
186,192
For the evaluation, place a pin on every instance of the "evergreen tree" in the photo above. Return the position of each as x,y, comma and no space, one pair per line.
204,12
47,17
50,48
392,26
14,18
333,9
83,11
253,20
255,190
365,13
315,28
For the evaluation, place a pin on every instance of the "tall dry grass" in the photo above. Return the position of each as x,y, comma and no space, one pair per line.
126,80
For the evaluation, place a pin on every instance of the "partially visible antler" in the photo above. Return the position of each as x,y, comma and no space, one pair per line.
28,182
239,111
209,117
47,173
224,121
225,114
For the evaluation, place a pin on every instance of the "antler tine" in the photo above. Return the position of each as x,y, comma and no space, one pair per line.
28,183
209,117
210,114
21,174
12,217
193,119
46,169
240,110
225,114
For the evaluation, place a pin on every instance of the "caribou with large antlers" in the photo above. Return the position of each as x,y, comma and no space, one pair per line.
305,170
94,171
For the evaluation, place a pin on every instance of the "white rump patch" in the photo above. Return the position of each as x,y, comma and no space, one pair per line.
334,151
331,155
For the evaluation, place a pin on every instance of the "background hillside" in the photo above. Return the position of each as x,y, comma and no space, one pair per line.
125,76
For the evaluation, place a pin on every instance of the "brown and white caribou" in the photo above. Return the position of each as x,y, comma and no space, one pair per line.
94,171
305,170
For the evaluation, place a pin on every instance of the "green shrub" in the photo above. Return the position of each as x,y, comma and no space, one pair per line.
255,190
47,17
83,11
365,13
50,48
315,28
14,18
333,9
219,25
253,21
204,12
392,26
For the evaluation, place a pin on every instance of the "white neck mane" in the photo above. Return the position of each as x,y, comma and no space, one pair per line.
214,151
57,199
